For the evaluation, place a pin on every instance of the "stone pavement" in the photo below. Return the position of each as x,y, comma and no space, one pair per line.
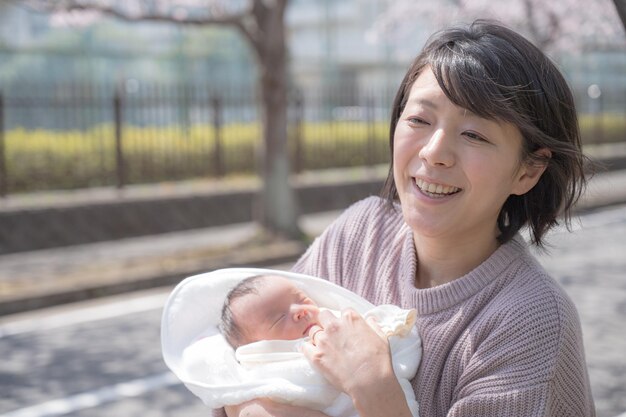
42,278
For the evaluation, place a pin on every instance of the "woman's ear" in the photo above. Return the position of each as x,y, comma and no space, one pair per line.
531,170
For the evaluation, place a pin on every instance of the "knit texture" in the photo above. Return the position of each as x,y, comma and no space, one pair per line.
503,340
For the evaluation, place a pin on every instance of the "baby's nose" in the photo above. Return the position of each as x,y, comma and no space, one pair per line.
303,311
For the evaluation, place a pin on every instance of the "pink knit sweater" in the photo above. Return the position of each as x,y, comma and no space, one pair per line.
504,340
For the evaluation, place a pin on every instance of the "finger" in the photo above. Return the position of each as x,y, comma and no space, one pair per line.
373,323
308,350
313,337
315,328
350,315
315,331
325,318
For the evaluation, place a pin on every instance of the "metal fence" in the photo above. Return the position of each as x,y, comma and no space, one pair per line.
74,136
77,136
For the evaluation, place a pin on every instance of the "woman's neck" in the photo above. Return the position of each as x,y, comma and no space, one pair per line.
444,260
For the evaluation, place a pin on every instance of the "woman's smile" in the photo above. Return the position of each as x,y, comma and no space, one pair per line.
435,190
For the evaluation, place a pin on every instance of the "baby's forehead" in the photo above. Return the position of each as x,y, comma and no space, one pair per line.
270,286
276,279
265,299
279,283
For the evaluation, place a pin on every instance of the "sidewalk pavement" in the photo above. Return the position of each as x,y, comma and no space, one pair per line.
43,278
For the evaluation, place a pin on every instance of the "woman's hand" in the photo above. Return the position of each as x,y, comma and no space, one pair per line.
347,350
264,407
354,357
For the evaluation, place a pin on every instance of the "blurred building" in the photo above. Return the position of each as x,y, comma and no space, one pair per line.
332,49
34,49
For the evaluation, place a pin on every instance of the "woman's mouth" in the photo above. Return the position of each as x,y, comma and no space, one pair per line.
434,190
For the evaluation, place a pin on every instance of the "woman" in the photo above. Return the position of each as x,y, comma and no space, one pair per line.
485,140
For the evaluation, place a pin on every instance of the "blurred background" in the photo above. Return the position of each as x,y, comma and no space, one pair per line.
71,79
145,141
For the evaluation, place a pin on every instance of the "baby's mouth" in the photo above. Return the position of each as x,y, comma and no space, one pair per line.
306,331
435,190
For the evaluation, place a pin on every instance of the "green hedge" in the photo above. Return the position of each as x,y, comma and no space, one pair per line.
606,128
44,160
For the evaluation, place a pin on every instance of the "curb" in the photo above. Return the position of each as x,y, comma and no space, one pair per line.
271,254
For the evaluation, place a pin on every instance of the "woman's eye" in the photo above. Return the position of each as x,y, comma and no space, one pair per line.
475,136
417,121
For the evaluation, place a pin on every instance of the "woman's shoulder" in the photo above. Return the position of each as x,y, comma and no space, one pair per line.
534,306
535,286
527,334
532,324
519,299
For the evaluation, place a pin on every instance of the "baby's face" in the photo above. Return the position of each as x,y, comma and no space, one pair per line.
280,311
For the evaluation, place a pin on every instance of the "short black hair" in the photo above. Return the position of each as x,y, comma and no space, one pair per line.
497,74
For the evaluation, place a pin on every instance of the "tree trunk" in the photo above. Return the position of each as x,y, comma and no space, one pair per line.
264,27
278,205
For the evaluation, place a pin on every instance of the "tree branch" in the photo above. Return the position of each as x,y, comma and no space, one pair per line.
246,21
233,19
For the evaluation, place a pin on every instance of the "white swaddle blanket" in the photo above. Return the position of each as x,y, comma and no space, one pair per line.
201,358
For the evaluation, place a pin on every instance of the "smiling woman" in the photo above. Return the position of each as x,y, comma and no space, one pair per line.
484,140
529,102
453,170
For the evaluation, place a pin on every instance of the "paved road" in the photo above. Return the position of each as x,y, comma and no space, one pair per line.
102,358
65,361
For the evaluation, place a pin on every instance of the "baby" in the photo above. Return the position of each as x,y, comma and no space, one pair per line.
267,307
264,318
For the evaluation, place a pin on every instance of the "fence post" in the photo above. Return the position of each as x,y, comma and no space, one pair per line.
4,184
600,119
119,153
371,130
298,133
218,164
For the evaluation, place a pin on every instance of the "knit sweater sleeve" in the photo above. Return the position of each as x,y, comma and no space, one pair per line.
530,363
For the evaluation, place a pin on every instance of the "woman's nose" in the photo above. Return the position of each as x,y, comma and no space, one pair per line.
437,151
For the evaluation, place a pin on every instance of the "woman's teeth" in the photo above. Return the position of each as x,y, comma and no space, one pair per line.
435,190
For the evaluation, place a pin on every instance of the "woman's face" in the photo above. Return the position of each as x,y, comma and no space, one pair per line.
453,170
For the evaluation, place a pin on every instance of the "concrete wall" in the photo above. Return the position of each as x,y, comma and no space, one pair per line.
88,222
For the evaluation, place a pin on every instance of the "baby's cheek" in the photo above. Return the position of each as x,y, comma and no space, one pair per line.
294,332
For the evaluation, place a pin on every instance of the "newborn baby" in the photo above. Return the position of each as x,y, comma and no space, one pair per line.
267,307
266,317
